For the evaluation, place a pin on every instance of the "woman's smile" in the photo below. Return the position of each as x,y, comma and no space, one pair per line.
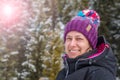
76,44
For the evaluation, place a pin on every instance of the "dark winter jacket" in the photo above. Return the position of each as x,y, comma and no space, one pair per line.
99,64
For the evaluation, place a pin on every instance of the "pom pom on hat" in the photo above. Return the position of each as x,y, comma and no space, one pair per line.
91,15
86,22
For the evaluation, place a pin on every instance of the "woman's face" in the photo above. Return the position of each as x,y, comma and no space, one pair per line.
76,44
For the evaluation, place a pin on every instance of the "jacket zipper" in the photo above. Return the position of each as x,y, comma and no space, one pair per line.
67,68
78,61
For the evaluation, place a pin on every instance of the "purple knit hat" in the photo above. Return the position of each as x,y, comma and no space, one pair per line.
86,22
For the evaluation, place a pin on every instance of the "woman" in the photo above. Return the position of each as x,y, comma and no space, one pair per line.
88,57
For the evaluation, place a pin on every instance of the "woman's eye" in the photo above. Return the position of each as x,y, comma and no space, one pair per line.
68,38
78,39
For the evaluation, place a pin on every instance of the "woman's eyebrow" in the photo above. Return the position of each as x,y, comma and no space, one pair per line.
78,35
68,36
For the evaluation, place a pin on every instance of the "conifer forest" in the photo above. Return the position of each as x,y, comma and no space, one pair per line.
31,35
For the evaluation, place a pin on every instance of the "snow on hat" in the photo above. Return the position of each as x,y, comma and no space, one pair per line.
86,22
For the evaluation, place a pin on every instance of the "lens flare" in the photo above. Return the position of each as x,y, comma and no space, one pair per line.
8,10
13,12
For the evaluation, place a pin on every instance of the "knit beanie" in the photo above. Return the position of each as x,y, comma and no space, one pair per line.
86,22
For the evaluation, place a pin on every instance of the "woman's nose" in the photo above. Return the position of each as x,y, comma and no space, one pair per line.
73,42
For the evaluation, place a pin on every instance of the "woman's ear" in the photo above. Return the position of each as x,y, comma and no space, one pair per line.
89,49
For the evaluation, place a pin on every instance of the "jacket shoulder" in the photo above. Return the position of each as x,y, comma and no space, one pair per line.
61,74
99,73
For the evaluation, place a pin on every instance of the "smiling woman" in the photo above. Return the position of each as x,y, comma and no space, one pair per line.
87,55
